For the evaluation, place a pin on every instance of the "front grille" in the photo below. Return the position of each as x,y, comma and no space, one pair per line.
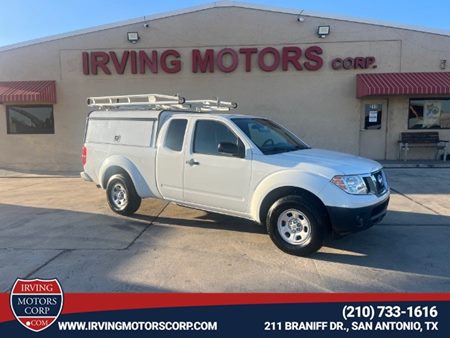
376,182
378,179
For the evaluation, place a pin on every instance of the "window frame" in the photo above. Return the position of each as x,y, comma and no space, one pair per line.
446,98
240,142
8,129
184,134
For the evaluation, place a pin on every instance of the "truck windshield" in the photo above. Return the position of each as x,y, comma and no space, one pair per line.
269,137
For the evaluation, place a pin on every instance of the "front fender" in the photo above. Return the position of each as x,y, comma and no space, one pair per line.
139,182
286,178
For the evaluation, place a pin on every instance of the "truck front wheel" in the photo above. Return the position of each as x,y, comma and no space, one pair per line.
296,225
121,195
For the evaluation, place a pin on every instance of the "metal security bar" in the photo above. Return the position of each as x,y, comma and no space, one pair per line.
159,101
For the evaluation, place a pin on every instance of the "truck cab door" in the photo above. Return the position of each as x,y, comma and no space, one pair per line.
170,159
215,178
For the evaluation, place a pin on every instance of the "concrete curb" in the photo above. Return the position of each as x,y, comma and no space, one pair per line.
7,173
415,164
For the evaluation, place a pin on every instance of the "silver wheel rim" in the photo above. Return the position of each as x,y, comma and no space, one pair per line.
119,196
294,227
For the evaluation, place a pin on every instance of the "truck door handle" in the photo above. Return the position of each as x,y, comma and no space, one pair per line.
192,162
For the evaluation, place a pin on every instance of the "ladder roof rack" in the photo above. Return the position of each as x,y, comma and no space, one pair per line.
158,101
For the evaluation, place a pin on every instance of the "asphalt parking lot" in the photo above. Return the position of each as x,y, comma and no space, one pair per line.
61,227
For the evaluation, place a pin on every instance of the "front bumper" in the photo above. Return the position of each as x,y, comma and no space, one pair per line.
347,220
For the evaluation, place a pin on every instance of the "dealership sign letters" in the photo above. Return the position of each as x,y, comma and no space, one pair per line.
225,60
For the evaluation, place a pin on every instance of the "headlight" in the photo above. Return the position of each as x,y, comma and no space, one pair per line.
353,184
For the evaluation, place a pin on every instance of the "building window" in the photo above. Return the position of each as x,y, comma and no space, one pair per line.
372,118
30,119
429,114
175,135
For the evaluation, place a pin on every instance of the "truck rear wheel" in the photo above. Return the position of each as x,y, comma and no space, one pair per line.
296,225
121,195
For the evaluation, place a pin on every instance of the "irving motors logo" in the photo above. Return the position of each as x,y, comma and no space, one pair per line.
36,303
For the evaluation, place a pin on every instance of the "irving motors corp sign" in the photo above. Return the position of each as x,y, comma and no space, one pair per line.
226,60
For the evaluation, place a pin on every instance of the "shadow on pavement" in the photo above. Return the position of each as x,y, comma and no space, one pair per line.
400,218
88,244
209,221
415,243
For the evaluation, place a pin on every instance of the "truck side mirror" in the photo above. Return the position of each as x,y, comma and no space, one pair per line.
229,148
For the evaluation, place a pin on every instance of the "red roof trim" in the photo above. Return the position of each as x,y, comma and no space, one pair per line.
28,92
387,84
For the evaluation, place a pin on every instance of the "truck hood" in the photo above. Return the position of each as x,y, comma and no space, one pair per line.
325,162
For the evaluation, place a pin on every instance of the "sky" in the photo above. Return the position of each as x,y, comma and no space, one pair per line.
23,20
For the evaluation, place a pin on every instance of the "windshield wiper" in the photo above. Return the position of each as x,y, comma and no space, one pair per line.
277,150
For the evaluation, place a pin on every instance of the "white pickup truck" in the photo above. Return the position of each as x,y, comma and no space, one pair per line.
193,154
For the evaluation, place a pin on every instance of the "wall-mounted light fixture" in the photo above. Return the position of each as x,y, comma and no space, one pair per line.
443,64
133,37
301,18
323,31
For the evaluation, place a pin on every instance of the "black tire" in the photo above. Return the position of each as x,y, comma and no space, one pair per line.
132,201
313,230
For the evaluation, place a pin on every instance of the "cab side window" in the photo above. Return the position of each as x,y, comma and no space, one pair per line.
175,134
209,134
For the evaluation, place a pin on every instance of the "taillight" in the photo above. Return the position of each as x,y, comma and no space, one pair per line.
83,155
